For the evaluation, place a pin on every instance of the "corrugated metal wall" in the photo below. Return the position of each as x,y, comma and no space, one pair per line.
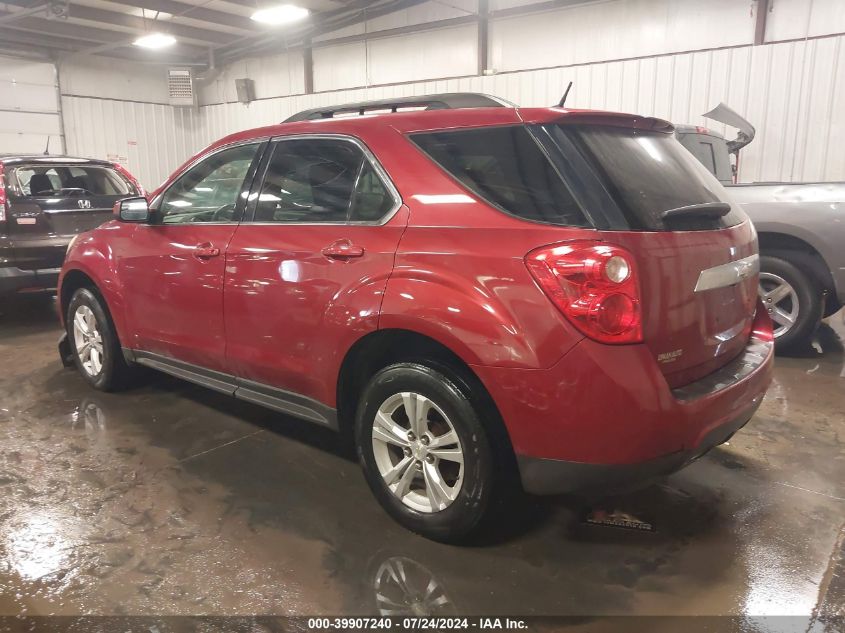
793,92
790,91
150,139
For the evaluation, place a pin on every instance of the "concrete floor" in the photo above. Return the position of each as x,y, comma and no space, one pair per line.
171,499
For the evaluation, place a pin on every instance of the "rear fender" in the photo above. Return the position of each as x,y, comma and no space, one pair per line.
497,322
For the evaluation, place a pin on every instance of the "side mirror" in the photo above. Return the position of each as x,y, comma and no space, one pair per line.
132,210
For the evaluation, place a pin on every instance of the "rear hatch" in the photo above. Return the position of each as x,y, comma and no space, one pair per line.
695,250
51,202
629,179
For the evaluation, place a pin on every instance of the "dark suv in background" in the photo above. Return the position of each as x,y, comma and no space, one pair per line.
44,202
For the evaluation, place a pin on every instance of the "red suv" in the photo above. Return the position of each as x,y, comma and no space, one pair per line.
481,293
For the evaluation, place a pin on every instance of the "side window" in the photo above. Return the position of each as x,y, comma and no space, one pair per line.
506,167
320,180
208,192
371,200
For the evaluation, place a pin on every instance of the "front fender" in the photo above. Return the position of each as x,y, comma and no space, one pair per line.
96,259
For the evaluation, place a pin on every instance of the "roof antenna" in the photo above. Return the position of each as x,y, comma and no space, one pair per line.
47,149
565,95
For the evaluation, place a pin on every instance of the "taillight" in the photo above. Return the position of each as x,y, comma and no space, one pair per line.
2,195
125,173
594,285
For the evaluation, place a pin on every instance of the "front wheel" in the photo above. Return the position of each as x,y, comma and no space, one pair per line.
93,342
792,299
424,452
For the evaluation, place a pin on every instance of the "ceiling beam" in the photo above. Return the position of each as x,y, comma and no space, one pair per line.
54,43
322,23
49,29
140,25
194,12
17,15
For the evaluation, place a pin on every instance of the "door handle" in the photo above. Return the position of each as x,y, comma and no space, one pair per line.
342,250
206,251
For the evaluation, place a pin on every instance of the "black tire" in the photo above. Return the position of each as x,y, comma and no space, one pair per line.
467,513
114,371
831,306
809,297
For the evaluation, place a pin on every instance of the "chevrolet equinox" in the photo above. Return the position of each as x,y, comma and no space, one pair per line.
481,295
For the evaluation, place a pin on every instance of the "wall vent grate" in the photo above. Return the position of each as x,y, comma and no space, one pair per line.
180,87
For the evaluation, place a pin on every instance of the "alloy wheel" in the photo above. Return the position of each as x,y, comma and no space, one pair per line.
88,341
781,301
417,452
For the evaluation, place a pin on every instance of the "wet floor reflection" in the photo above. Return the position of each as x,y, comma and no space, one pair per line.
170,499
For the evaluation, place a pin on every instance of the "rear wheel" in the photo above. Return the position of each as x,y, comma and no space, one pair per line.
93,342
425,454
831,306
793,300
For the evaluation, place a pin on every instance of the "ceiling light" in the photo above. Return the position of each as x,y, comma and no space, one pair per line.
280,14
155,40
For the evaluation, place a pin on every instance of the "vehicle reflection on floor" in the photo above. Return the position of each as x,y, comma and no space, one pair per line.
170,499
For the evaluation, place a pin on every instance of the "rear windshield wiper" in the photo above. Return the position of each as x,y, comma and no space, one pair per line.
703,210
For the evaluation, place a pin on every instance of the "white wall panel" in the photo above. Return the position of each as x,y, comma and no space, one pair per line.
29,107
795,19
150,139
273,76
415,57
426,55
619,29
342,66
111,79
418,14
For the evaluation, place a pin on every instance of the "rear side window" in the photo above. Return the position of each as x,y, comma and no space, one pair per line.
505,167
371,200
649,173
70,180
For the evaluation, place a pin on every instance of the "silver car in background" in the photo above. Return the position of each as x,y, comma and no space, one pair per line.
800,226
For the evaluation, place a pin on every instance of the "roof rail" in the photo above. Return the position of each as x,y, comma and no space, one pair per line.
445,101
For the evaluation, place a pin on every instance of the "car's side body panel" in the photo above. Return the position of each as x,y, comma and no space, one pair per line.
176,308
291,312
811,212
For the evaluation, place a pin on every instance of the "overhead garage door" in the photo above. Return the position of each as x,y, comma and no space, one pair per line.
29,107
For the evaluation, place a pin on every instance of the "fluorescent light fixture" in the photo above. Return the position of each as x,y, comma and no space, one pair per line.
280,14
155,40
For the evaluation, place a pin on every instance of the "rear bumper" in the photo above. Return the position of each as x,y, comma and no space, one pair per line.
551,476
31,263
14,280
604,416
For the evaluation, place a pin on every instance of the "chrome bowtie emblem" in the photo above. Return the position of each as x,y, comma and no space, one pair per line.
84,204
728,274
744,269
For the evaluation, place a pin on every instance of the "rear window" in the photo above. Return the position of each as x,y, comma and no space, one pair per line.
649,173
69,180
505,167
